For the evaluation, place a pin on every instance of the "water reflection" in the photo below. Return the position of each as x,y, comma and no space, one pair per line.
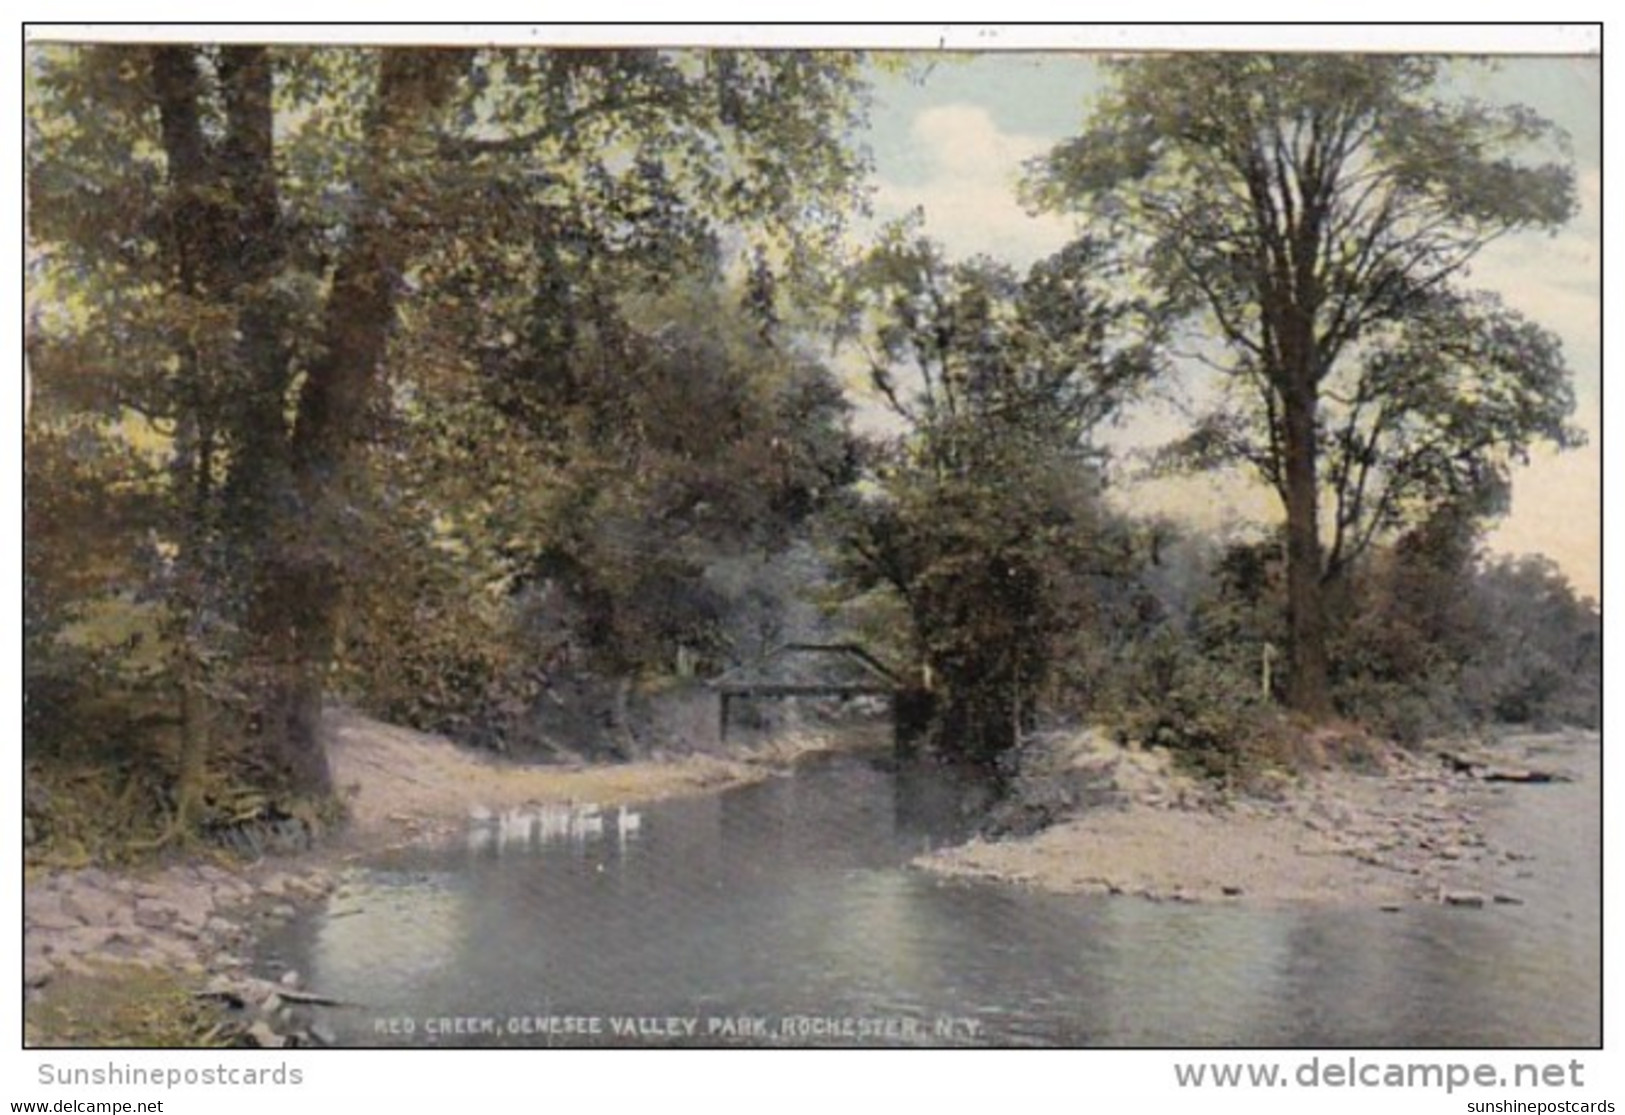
540,826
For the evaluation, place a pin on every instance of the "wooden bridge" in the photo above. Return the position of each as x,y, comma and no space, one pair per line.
816,670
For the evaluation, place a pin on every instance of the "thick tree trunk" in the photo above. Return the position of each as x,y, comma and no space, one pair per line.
176,85
290,483
301,569
1307,687
259,480
301,579
296,601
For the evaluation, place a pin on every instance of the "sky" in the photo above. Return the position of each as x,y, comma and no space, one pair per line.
951,141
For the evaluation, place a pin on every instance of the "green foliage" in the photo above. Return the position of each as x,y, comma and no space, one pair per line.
1432,638
606,506
1314,215
984,515
1209,713
426,642
270,262
1539,661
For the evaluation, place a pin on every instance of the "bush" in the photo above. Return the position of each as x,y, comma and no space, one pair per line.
1407,713
1213,719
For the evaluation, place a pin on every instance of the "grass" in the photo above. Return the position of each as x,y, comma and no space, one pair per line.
123,1006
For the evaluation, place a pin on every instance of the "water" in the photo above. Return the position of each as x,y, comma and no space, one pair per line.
785,913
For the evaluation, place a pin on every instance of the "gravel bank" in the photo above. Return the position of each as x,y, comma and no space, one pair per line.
1409,833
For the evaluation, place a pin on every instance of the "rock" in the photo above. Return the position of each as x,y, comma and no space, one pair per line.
81,940
37,970
76,966
231,889
1462,898
214,876
95,907
1390,907
306,886
290,978
1508,900
1231,890
151,914
44,910
261,1034
225,988
192,906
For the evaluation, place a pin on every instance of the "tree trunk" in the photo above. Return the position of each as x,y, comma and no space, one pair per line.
259,480
295,605
290,483
300,583
176,85
1307,688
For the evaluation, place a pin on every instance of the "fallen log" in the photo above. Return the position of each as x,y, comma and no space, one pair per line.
1501,775
237,1000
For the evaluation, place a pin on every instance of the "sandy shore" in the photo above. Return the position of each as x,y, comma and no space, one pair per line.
1410,833
401,785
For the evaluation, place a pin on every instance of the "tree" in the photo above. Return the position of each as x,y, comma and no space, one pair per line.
1318,214
1540,658
677,437
986,517
242,240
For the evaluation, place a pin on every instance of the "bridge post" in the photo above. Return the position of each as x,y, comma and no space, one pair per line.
911,712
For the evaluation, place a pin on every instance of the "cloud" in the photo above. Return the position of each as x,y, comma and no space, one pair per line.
963,172
963,140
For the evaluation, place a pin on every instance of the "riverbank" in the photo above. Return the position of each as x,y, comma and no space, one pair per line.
99,943
402,786
1407,830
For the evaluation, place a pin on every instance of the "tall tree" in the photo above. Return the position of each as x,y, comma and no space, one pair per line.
1318,215
985,516
244,240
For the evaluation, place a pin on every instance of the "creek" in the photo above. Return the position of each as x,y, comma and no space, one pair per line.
787,913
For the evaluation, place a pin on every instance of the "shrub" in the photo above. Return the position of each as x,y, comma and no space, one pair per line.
1211,717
